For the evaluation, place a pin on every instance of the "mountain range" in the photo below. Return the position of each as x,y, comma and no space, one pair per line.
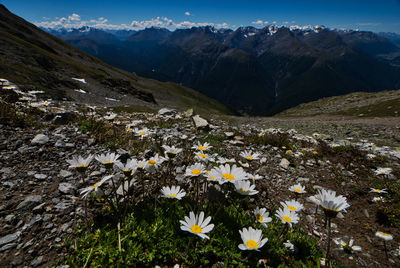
36,60
253,71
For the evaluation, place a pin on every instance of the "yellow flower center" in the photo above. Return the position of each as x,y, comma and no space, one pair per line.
95,185
243,190
260,218
286,219
151,162
252,244
291,208
173,195
202,155
142,133
297,190
250,157
201,148
107,163
196,229
228,176
196,171
385,234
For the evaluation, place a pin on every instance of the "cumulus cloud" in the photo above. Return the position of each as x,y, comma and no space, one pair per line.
75,21
187,13
260,22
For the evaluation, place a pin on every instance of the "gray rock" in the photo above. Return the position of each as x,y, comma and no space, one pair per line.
30,202
365,212
284,163
8,184
70,145
40,139
200,122
10,218
65,174
166,111
6,170
91,142
36,262
10,238
8,246
66,188
63,207
39,208
40,176
60,144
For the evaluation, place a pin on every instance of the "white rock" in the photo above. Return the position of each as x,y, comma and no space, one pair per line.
199,122
66,188
284,163
40,139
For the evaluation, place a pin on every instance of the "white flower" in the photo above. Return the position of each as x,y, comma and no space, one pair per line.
226,173
254,177
204,157
383,171
332,203
95,187
144,132
314,199
244,164
107,159
173,192
384,236
245,188
223,160
287,216
346,244
202,147
373,190
379,199
297,188
154,162
80,163
195,170
110,116
371,156
292,205
171,151
129,167
262,215
289,245
249,155
196,225
252,239
213,175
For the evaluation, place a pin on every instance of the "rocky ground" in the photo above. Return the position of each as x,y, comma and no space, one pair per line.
41,206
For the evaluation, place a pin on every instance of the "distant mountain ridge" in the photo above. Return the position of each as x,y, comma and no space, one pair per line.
256,71
36,60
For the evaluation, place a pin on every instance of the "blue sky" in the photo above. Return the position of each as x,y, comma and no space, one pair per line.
383,15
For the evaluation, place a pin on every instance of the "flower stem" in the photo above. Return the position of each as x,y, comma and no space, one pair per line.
329,237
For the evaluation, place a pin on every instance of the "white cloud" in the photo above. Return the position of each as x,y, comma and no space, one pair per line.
74,17
260,22
74,22
187,13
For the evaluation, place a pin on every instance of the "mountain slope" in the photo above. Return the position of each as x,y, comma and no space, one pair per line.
36,60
